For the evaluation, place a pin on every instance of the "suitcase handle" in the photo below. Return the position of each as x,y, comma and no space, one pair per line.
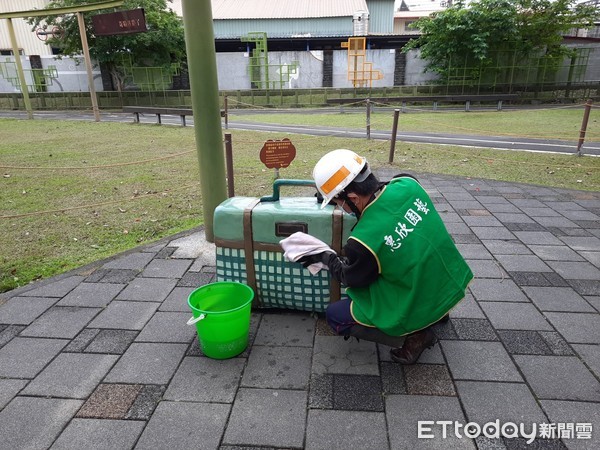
284,182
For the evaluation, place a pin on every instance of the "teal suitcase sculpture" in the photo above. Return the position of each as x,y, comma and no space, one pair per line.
247,233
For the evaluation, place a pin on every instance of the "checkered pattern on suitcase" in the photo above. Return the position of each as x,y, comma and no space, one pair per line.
279,283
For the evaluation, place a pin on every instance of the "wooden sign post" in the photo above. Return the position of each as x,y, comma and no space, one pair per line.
276,154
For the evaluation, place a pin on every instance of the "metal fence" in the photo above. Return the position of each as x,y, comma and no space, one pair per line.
293,98
509,72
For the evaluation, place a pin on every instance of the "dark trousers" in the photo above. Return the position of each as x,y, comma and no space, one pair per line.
339,318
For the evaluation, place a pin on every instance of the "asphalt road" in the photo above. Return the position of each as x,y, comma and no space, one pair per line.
498,142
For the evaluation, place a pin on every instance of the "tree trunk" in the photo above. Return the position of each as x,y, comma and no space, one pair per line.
117,80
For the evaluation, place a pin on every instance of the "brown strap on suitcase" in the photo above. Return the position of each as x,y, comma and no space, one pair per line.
336,244
336,238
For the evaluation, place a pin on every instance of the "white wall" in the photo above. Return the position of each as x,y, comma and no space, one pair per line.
309,69
175,5
232,70
26,39
415,70
383,60
72,76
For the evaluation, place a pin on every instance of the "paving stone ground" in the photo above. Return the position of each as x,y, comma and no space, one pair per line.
101,357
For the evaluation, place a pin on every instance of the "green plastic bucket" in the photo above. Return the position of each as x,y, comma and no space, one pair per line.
221,312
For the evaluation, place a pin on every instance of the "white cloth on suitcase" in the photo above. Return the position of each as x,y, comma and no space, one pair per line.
301,244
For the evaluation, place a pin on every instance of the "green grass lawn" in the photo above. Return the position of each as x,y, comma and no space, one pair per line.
556,123
74,192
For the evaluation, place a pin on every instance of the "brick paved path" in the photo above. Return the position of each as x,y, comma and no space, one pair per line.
101,357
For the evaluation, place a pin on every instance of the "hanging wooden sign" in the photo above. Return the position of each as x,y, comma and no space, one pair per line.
122,22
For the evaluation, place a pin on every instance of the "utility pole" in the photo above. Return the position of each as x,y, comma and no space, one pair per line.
88,66
202,65
21,74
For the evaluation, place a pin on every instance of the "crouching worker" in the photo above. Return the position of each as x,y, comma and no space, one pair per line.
401,269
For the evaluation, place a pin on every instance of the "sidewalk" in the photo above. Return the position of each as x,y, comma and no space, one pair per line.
101,357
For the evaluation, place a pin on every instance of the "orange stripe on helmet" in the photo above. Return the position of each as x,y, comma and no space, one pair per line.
334,180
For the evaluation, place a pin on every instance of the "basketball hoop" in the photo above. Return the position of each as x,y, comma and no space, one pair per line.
58,32
41,34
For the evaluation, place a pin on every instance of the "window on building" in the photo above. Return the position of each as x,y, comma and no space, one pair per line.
9,52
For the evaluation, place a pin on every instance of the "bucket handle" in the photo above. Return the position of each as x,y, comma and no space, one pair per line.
193,320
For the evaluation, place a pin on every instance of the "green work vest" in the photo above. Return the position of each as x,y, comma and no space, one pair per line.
422,275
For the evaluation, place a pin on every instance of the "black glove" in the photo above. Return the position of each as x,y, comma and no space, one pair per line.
313,259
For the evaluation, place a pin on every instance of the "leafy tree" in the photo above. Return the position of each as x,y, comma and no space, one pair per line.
478,36
161,45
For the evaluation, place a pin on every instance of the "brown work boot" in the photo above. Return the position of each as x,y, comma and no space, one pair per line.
413,346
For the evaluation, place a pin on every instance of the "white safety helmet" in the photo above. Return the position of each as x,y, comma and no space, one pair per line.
336,170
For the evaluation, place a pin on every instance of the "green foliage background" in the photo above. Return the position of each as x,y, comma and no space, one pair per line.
161,45
476,35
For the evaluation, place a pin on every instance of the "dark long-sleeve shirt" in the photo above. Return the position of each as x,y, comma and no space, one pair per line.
358,268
